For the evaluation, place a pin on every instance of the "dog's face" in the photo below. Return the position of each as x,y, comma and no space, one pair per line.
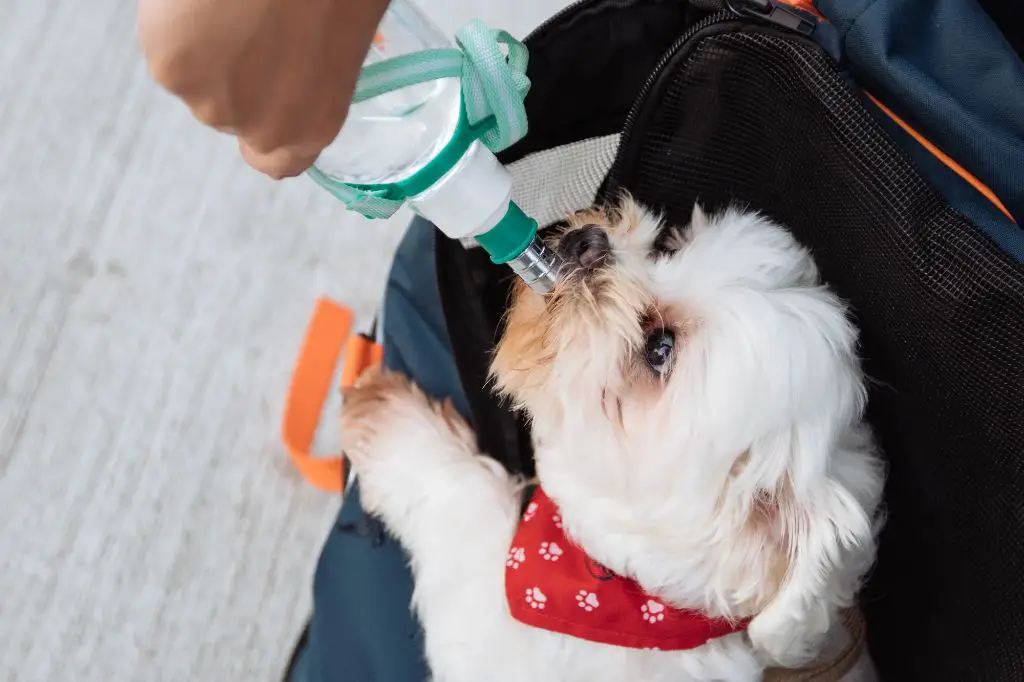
692,394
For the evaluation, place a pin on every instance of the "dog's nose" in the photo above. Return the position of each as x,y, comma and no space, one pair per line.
588,246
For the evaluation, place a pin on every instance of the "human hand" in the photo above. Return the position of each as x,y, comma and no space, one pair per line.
278,74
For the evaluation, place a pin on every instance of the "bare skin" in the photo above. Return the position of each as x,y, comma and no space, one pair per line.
278,74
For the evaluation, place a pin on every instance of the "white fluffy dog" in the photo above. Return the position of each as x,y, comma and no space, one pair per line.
696,404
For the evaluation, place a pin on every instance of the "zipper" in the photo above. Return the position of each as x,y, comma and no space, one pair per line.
772,11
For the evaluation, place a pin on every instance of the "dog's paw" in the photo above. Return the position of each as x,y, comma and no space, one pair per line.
384,414
369,410
784,640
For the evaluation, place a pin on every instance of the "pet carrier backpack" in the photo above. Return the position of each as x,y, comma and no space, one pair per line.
888,135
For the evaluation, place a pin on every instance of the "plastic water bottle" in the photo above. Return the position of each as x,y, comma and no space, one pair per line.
389,138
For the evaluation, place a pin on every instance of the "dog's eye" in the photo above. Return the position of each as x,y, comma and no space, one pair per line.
660,346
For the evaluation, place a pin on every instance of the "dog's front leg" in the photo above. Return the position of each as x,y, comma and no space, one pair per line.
452,509
419,468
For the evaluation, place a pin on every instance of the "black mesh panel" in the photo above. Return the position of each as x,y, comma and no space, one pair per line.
765,120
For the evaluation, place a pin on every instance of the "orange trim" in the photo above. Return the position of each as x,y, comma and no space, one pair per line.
326,336
806,6
941,156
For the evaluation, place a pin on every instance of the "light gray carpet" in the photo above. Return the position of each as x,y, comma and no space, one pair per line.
153,293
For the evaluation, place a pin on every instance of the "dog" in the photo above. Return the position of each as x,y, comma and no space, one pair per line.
709,492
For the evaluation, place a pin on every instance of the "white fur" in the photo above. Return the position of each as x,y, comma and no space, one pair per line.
768,368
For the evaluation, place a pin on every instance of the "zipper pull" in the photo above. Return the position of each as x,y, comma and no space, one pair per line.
774,12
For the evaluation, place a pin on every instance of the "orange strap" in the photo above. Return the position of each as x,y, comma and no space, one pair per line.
981,187
974,182
806,6
326,337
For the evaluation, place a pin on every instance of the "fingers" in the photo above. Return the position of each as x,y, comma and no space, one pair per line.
278,74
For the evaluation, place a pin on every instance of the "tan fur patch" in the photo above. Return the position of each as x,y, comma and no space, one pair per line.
445,409
522,357
371,390
373,399
764,528
367,404
621,218
740,464
590,216
769,522
626,217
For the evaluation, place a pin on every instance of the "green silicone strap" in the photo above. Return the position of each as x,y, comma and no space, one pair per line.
494,87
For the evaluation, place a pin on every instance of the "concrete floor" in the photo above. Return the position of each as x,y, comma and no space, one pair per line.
153,294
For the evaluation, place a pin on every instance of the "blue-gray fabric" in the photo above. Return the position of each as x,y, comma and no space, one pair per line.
1006,234
362,629
946,68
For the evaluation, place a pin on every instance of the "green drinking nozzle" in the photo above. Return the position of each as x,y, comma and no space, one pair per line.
514,241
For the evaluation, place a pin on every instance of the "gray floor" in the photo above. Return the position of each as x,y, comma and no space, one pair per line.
153,293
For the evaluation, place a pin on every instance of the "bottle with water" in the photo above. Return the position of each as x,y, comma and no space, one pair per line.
414,142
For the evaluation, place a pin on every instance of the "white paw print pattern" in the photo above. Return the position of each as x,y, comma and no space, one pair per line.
531,511
557,520
653,612
516,556
587,600
550,551
535,598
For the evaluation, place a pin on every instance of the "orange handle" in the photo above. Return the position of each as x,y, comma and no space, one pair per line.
326,337
361,353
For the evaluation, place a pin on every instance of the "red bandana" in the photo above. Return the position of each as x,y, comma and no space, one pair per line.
550,583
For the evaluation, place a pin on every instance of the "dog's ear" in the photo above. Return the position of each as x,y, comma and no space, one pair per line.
821,519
